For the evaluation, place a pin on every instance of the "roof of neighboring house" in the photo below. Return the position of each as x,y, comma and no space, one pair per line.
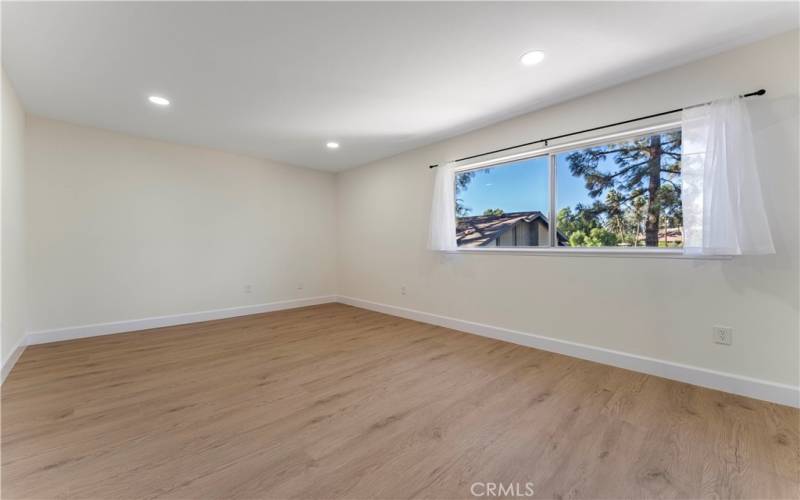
481,230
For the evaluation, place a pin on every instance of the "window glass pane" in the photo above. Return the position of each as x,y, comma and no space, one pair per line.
626,194
504,205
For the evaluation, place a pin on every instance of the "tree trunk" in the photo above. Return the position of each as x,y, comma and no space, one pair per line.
654,175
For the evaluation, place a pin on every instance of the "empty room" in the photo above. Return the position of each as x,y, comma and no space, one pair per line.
385,250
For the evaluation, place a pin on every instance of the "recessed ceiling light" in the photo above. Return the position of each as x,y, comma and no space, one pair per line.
532,57
332,145
158,100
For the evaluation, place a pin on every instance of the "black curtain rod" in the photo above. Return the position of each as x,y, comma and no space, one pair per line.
545,141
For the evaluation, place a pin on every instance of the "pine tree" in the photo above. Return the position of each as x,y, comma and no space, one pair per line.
643,166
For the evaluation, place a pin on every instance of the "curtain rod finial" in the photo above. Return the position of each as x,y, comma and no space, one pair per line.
757,92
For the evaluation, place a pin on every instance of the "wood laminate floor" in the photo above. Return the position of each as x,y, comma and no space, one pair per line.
333,401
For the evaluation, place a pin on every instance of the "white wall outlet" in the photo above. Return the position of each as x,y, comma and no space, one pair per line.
403,290
248,289
723,335
299,286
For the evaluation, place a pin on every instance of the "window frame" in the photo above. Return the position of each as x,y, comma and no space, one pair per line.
553,249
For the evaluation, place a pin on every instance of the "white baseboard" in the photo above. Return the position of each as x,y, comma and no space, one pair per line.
727,382
82,331
8,363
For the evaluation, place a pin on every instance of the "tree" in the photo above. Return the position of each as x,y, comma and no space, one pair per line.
672,209
643,166
636,215
615,215
584,227
493,211
583,220
597,237
463,180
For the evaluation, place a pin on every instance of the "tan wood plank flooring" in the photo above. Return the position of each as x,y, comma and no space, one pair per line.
333,401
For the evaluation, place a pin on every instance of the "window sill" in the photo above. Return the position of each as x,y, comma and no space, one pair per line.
655,253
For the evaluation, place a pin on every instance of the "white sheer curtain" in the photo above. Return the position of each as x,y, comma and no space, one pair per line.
723,212
443,210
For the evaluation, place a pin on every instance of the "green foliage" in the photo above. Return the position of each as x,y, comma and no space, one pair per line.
600,237
577,239
642,194
583,219
493,211
584,227
597,237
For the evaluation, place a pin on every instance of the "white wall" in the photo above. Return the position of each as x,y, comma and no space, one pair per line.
659,308
125,228
12,243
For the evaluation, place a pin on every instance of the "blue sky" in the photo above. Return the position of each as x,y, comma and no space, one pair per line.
515,187
523,185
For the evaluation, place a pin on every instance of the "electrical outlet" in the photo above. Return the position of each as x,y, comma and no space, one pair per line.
402,290
248,289
299,286
723,335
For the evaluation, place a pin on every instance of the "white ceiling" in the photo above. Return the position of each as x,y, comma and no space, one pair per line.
278,80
